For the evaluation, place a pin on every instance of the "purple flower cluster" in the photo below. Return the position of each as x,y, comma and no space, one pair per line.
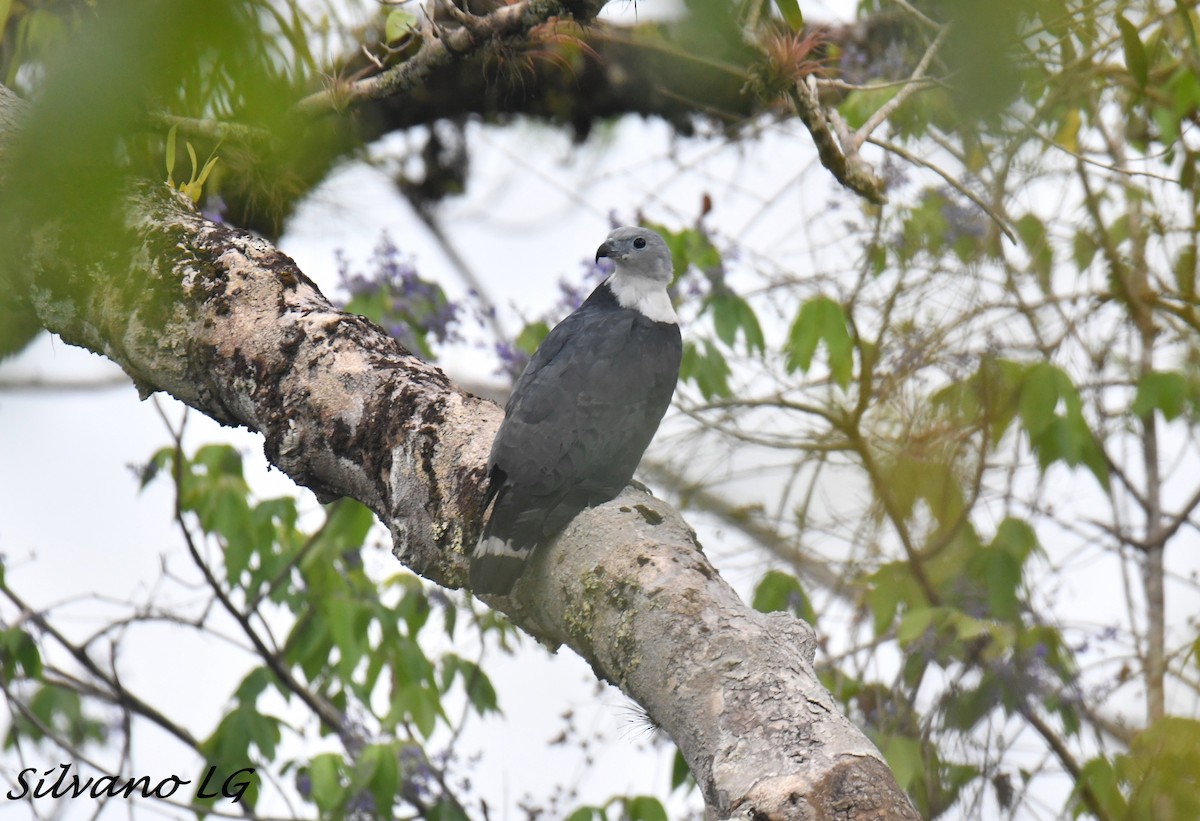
413,310
963,220
420,779
864,62
512,360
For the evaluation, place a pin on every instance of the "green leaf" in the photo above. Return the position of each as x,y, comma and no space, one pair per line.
1185,16
309,644
264,732
229,745
61,711
446,809
1161,770
345,621
1135,52
967,707
821,319
411,663
1099,778
645,808
1187,175
689,247
968,628
682,774
400,23
419,704
1083,250
195,187
531,336
1039,398
877,258
904,758
890,585
584,814
413,606
195,163
1016,538
19,655
750,328
725,316
382,765
916,623
324,771
223,460
731,313
253,685
480,691
841,349
1118,230
1185,269
781,591
160,464
1165,392
708,370
347,525
790,9
1032,232
858,106
802,339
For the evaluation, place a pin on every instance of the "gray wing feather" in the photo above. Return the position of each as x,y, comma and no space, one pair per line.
575,428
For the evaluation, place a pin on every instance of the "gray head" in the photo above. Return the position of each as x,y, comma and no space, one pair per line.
638,252
644,271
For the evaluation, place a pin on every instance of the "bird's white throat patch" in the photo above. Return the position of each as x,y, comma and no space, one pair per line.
646,296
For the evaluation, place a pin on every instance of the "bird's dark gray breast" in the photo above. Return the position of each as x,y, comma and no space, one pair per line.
587,406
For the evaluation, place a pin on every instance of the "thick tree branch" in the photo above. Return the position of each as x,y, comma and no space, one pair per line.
227,324
441,45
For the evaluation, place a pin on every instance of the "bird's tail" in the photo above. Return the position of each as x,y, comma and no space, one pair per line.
499,557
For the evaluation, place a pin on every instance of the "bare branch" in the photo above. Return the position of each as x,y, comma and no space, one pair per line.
998,218
886,110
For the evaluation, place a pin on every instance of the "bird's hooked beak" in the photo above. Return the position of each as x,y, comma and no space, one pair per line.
603,251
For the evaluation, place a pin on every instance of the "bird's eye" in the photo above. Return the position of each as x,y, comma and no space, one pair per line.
640,242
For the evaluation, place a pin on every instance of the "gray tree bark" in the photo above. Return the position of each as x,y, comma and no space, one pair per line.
226,323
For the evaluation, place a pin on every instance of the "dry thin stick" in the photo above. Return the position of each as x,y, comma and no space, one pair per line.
886,110
996,216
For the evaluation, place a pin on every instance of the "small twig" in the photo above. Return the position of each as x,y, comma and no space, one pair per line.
1066,759
813,568
997,217
117,693
1128,172
886,110
457,14
375,61
37,383
837,84
919,16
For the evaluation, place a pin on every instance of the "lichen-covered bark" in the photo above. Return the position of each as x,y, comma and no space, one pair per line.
629,588
229,325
